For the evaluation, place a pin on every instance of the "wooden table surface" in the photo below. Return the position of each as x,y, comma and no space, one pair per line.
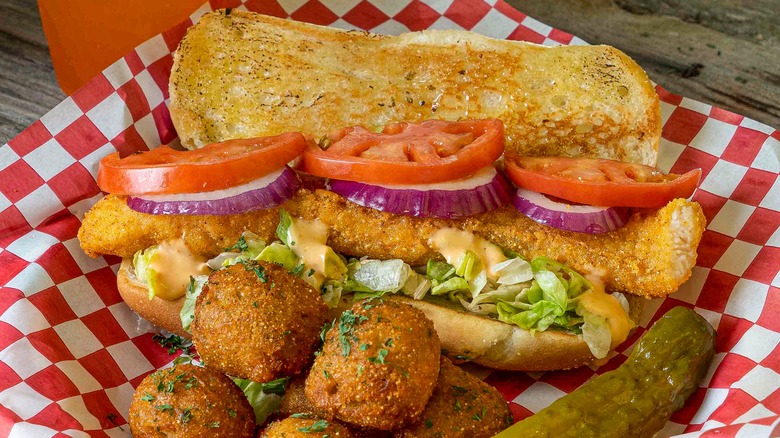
723,52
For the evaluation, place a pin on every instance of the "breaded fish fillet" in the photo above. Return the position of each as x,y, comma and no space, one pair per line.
651,256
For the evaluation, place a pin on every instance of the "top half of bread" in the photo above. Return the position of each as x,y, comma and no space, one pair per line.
241,74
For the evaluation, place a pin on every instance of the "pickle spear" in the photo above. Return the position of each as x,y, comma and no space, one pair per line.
638,397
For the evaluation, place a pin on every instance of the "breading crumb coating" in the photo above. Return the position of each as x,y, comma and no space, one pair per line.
255,320
651,256
188,400
301,427
378,366
461,406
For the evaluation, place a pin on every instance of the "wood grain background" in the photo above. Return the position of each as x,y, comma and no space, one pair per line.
723,52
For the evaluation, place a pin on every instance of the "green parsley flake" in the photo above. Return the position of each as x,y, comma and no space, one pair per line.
259,270
347,321
317,426
459,391
301,415
148,397
479,416
380,357
186,415
241,245
173,343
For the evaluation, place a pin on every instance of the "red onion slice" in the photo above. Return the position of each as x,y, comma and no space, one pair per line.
484,191
568,217
262,193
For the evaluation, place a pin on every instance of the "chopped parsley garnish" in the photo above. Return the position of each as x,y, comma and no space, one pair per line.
480,415
347,323
164,408
298,269
428,424
459,391
213,425
231,413
148,397
380,357
317,426
259,270
192,382
186,415
300,415
173,343
364,347
325,328
241,245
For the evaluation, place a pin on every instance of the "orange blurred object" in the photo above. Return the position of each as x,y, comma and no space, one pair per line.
86,36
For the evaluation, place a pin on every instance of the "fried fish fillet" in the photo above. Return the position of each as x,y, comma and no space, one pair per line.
240,74
651,256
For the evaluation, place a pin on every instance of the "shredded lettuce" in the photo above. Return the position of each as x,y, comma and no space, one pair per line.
248,247
466,266
144,273
187,313
450,285
283,229
382,275
596,333
513,271
265,398
280,254
439,271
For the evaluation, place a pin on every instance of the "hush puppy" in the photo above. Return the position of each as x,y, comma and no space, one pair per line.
255,320
188,400
461,406
378,366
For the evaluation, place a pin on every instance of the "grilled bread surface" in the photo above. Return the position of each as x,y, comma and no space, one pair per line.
241,74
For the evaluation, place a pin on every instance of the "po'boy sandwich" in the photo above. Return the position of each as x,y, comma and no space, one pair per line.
421,211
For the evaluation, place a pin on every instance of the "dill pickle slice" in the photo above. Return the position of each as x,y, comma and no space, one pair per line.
638,397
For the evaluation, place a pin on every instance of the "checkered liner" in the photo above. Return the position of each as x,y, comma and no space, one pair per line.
71,351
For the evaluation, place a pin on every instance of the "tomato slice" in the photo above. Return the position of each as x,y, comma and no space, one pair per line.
214,167
600,182
407,153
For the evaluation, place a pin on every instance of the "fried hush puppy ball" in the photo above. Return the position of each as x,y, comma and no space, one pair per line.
255,320
461,406
378,366
304,427
188,400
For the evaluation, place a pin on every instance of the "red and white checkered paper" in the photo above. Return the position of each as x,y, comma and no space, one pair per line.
71,351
